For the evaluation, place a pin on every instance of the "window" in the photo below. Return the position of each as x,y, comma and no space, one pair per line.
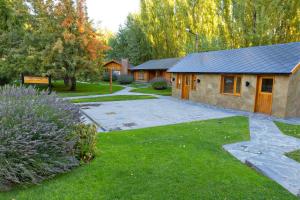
231,85
267,85
179,81
117,73
194,82
141,75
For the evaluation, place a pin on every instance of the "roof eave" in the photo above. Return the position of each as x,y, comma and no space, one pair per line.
248,73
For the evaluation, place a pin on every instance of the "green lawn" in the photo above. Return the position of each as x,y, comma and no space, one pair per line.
183,161
139,85
84,89
113,98
292,130
150,90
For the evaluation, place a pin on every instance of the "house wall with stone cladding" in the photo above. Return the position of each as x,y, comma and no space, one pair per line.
208,91
293,97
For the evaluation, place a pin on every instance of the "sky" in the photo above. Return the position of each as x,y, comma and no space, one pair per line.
111,13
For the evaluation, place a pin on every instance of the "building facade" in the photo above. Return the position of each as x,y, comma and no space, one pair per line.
262,79
154,69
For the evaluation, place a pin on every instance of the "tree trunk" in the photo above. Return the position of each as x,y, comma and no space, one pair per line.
66,81
73,84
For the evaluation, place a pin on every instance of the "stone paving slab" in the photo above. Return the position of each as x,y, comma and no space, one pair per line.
125,115
265,152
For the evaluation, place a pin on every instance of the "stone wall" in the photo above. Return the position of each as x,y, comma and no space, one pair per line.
293,98
280,91
208,91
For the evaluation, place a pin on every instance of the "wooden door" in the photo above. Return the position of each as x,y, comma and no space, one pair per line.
264,94
186,85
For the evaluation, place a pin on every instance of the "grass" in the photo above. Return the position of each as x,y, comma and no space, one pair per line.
139,85
84,89
292,130
150,90
183,161
113,98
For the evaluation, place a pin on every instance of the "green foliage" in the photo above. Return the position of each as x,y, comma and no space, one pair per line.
13,53
150,90
84,89
106,77
159,84
86,145
294,131
130,42
47,36
36,136
289,129
294,155
221,24
125,79
182,161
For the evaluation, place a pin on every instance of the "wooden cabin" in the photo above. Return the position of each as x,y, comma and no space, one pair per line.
153,69
118,67
263,79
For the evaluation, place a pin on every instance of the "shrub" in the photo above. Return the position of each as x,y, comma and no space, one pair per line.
86,145
159,83
37,139
106,77
4,80
125,79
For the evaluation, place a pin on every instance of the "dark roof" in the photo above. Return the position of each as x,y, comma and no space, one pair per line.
157,64
272,59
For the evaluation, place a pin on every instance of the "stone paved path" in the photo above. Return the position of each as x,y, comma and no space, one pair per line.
124,115
265,152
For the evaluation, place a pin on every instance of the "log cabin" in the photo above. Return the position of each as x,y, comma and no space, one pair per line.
153,69
263,79
118,67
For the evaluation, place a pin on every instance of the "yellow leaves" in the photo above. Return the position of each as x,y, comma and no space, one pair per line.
69,37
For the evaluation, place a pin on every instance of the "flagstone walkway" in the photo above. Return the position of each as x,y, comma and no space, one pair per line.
266,150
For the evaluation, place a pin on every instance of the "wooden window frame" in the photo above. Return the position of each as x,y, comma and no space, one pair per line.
140,74
235,77
260,86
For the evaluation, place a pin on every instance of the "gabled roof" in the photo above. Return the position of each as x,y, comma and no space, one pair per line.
118,62
162,64
272,59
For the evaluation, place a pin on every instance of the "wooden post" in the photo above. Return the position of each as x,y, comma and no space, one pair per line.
50,84
110,80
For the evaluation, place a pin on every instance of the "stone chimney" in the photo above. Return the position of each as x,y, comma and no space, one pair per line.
125,66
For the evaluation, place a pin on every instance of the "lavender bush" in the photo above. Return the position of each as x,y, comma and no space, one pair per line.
37,136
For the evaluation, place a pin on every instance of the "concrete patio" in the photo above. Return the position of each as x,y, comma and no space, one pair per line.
125,115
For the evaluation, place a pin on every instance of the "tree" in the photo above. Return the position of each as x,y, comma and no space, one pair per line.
43,36
130,42
12,31
221,24
69,43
